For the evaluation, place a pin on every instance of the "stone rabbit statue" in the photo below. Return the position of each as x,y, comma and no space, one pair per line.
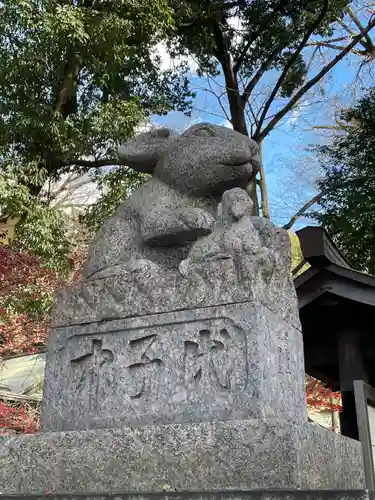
162,219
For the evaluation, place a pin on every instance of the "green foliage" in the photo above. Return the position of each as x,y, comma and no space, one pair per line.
41,230
31,301
115,186
295,76
263,50
348,204
76,79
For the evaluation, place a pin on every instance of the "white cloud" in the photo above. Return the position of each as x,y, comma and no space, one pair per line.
297,112
226,123
294,116
72,191
237,24
144,127
167,62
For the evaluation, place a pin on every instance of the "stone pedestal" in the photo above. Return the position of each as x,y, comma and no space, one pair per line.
194,400
189,380
207,495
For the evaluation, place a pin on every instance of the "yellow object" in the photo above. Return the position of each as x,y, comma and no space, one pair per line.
297,255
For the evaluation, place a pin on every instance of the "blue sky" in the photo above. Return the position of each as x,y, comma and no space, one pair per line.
290,169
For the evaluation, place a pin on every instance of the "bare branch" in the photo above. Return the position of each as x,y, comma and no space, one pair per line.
319,196
290,63
62,188
335,40
351,32
335,47
253,114
92,163
258,75
346,27
360,27
302,91
210,112
218,97
70,189
255,36
303,210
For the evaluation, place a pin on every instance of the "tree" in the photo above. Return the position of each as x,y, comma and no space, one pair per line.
77,77
246,41
114,187
321,399
319,396
19,418
347,190
26,295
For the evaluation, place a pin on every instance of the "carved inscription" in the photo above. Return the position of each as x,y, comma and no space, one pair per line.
146,366
89,368
212,360
182,362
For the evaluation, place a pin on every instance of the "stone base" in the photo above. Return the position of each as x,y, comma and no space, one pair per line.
237,455
207,495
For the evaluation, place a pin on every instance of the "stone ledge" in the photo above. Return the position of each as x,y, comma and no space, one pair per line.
252,454
207,495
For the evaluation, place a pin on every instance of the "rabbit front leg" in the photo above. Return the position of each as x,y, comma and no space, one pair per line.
177,226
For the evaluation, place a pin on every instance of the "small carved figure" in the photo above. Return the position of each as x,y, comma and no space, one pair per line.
233,237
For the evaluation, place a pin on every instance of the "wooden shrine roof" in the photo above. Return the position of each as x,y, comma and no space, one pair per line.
330,271
332,296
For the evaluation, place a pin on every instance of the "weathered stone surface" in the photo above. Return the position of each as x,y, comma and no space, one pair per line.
144,151
240,259
315,459
252,454
205,495
217,363
207,159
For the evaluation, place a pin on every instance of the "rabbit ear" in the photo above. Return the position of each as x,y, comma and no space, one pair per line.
144,151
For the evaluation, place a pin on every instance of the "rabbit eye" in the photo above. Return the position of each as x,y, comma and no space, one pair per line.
204,132
157,136
161,133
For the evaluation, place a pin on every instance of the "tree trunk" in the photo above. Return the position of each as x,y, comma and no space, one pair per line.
263,186
238,121
236,104
236,108
66,98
